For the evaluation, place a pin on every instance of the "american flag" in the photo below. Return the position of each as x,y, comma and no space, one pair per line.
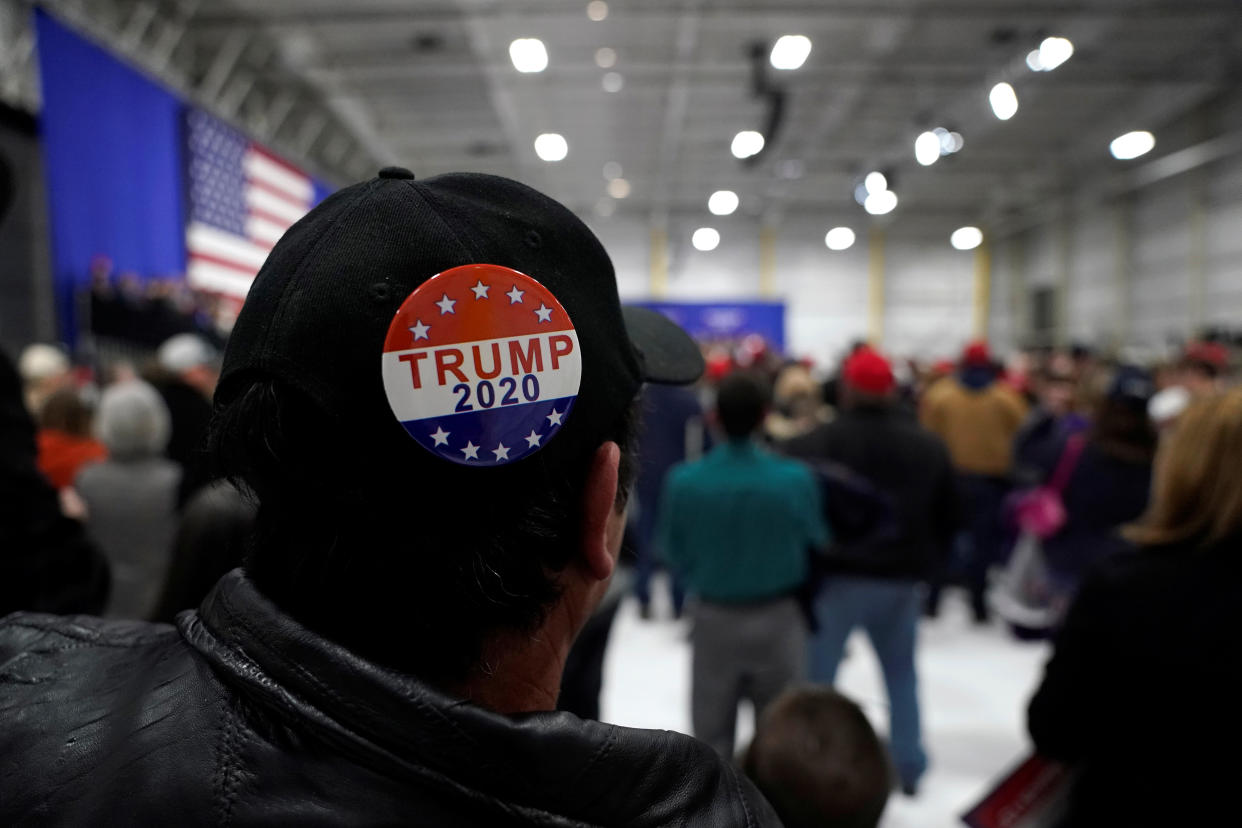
242,200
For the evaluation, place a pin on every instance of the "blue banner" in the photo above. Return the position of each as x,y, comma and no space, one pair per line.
726,320
112,151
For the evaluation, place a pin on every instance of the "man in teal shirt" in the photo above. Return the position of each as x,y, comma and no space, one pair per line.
738,525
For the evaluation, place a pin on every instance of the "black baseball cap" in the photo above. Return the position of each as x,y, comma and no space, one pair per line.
318,312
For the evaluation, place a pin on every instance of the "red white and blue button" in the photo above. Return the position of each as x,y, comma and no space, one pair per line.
481,365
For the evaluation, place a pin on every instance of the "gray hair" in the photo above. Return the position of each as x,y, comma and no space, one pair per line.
133,421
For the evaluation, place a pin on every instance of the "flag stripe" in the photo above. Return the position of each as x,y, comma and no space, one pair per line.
242,200
261,168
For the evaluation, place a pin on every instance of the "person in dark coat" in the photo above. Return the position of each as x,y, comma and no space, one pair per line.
1141,693
46,562
1110,483
392,649
878,583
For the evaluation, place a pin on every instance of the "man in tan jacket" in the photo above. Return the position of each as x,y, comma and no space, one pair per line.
977,417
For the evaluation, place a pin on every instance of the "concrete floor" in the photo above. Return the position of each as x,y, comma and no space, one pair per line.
974,684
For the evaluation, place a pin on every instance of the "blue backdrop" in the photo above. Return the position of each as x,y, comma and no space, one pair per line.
112,155
112,149
711,320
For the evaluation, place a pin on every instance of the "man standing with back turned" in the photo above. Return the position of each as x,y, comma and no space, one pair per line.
430,392
740,524
876,581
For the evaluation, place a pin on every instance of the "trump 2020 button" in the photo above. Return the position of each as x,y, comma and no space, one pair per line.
481,365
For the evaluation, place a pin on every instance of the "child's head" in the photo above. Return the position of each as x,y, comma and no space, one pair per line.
818,761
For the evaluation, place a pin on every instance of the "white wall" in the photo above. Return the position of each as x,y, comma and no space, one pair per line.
1130,265
927,285
1144,268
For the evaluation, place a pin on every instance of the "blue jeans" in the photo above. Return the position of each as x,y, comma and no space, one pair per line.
888,610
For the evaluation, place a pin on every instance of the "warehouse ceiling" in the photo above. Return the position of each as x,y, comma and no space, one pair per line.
430,85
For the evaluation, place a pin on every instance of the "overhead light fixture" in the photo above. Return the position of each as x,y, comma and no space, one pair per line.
839,238
722,202
605,57
966,238
528,55
618,188
927,148
597,10
551,146
875,182
790,52
705,239
1004,101
1054,51
950,142
612,170
1132,145
747,143
613,82
880,203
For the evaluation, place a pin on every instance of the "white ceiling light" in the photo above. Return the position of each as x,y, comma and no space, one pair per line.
1132,145
927,148
1035,61
880,203
705,239
839,238
551,146
747,143
612,170
605,207
966,238
618,188
528,54
597,10
1004,101
1053,52
722,202
790,51
605,57
875,182
613,82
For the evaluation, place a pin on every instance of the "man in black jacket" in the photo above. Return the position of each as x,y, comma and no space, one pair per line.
429,393
875,581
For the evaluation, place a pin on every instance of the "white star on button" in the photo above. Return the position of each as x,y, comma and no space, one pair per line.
555,417
515,295
471,451
544,313
446,305
419,330
501,451
532,439
480,290
440,436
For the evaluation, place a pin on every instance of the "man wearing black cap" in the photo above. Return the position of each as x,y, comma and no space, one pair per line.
429,392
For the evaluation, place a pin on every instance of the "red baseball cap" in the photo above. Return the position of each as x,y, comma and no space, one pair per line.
869,372
977,353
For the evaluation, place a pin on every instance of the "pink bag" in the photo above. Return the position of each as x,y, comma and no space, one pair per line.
1041,511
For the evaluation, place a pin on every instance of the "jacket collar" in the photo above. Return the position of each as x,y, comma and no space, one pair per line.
544,763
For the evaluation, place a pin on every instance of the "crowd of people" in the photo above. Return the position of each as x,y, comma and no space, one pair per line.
402,627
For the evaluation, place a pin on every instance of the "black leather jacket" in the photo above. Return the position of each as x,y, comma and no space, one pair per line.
240,716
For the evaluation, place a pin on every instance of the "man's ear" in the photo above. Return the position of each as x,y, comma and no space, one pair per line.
599,504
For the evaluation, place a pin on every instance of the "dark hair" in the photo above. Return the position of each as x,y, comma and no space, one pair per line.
740,404
407,560
818,761
1123,429
66,411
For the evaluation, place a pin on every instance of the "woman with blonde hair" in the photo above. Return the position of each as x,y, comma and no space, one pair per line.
1143,690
